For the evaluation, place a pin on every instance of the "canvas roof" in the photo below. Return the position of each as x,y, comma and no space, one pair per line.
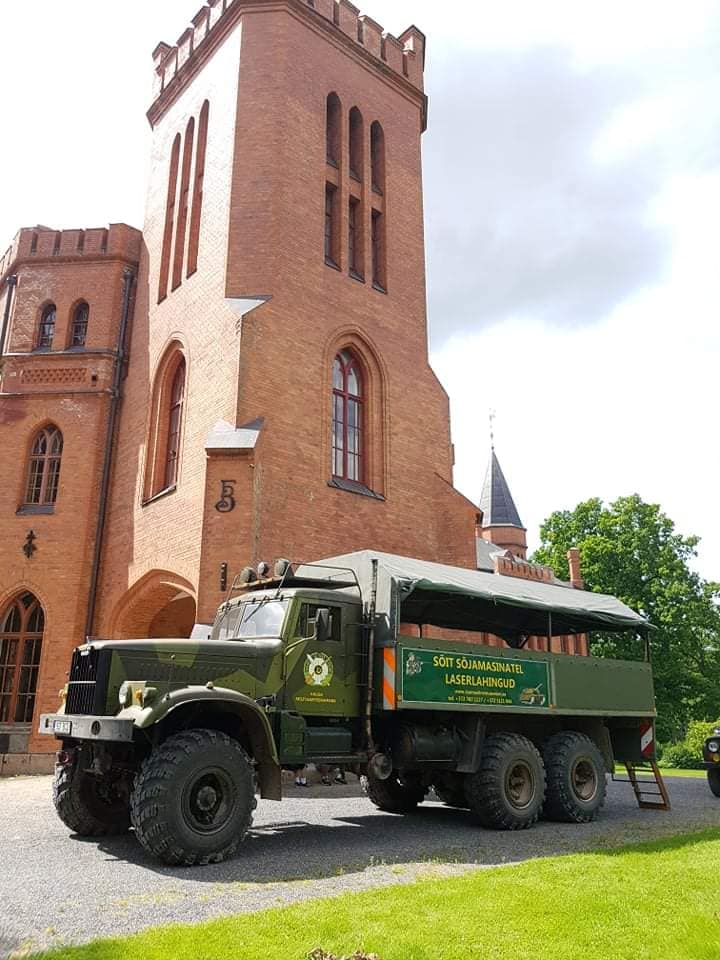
419,591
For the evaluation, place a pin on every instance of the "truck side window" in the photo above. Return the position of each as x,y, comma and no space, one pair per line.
306,623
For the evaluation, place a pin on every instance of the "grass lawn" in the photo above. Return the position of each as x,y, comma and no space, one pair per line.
665,771
655,901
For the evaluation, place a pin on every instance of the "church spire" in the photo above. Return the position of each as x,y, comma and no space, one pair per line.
496,501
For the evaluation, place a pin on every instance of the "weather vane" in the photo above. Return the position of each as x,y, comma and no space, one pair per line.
492,429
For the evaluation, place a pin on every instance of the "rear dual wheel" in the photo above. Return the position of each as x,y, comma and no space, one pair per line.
508,790
576,780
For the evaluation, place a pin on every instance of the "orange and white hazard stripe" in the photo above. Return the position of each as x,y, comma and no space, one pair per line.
389,671
647,738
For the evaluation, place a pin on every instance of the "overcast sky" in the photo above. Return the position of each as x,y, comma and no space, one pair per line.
572,173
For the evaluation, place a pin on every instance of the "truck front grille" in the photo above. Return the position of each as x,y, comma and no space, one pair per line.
88,682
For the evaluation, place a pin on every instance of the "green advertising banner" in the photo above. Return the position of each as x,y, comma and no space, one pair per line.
435,676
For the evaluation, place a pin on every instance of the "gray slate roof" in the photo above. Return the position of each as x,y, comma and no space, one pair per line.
496,501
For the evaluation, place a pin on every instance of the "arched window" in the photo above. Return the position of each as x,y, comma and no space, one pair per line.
169,219
377,155
333,128
21,633
46,331
44,468
196,215
164,450
174,426
356,144
347,439
184,204
78,331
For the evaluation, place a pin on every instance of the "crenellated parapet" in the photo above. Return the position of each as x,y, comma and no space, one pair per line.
403,56
116,242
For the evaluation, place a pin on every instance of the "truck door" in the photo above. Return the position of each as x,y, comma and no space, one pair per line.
322,678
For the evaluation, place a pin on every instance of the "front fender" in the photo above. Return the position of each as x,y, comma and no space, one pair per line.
252,717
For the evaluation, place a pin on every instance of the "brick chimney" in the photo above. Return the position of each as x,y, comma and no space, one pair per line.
574,564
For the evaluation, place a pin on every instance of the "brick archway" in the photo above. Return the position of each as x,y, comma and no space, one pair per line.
160,605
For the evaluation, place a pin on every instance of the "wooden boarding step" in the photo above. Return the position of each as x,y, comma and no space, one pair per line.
640,786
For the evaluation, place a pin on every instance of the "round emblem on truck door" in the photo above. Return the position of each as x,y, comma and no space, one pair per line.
318,670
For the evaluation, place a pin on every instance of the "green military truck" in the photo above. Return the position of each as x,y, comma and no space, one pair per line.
336,663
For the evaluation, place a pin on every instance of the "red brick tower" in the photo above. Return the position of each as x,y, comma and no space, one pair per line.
65,300
279,400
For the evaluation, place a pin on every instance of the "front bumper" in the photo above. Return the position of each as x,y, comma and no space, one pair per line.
69,727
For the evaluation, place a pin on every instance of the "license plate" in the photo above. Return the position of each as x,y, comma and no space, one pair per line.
62,726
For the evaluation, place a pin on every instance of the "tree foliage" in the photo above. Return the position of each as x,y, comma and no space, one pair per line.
631,549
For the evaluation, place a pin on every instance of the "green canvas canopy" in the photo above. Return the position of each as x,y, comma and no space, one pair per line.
418,591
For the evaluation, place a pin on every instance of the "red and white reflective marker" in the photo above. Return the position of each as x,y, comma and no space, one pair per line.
647,738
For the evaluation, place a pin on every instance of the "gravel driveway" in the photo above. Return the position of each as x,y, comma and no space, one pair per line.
58,889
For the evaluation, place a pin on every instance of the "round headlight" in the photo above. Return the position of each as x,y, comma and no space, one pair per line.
125,695
713,746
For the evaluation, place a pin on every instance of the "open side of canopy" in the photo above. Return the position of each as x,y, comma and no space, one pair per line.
418,591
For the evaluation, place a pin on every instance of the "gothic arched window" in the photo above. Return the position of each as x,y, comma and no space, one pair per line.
377,156
46,331
174,426
356,144
333,130
78,331
44,467
21,632
347,438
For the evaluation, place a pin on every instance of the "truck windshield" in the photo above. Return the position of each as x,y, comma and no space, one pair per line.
256,618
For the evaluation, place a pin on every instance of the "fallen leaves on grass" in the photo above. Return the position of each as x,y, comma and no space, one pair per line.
320,954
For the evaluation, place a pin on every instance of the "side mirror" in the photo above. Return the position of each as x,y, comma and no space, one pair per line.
323,631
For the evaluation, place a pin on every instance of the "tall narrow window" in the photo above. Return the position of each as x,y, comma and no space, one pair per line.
169,219
331,257
78,331
333,128
355,239
377,156
46,331
21,634
174,429
347,439
379,268
182,219
356,144
44,468
195,216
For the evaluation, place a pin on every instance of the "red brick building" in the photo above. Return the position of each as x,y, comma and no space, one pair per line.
246,379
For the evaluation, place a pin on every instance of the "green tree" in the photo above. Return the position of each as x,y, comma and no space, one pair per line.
631,549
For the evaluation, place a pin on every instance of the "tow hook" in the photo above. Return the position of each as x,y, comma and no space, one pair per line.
65,757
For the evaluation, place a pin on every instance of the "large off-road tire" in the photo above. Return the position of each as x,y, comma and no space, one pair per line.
397,794
89,806
194,798
576,781
508,790
714,781
450,790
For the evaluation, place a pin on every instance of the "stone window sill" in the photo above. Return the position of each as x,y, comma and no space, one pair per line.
35,509
159,496
352,486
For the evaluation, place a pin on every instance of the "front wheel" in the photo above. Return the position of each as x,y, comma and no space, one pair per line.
194,798
397,794
508,790
714,781
90,806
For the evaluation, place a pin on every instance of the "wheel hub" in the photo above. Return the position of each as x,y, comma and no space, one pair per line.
584,780
520,785
208,800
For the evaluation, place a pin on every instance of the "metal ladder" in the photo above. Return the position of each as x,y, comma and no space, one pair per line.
642,794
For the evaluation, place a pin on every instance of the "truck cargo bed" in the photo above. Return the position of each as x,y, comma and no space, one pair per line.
436,674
